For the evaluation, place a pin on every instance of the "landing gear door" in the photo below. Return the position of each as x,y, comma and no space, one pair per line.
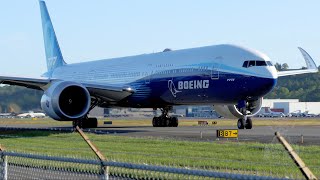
215,70
148,77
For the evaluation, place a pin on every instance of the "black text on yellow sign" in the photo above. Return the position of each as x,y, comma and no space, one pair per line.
227,133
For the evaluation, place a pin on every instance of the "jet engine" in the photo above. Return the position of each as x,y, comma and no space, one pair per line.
66,101
232,111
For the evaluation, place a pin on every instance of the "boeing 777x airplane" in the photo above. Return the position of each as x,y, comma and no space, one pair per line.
231,78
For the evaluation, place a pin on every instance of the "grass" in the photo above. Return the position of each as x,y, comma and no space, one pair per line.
238,157
257,158
182,122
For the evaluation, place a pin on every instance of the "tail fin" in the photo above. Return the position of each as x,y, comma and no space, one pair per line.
53,52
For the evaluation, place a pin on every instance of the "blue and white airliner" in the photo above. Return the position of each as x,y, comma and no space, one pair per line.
231,78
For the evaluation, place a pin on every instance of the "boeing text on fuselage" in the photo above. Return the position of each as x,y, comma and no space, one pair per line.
194,84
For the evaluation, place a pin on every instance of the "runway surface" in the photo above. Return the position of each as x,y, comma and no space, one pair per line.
263,134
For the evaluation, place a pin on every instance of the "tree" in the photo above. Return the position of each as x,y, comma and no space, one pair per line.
20,98
278,66
13,108
281,67
284,66
304,87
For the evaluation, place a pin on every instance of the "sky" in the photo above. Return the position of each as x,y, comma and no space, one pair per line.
96,29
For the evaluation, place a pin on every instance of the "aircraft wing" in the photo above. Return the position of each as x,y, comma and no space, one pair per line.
311,66
32,83
103,91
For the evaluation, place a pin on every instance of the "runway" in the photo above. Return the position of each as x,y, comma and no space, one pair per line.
263,134
303,135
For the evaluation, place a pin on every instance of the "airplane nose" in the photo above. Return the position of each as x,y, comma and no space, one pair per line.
270,84
270,81
261,84
259,87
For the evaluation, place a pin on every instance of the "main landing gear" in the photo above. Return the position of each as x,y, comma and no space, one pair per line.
164,120
85,123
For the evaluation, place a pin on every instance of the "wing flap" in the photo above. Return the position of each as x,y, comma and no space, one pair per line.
311,66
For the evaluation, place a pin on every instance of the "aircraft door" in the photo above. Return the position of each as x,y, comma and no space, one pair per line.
148,77
215,70
149,74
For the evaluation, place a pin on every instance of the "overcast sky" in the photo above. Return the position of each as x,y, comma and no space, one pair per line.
91,30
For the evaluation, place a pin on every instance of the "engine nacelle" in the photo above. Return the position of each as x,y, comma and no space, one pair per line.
65,101
231,111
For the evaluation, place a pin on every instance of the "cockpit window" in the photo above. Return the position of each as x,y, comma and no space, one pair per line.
252,63
245,64
269,63
261,63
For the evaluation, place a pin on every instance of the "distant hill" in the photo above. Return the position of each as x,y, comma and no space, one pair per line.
305,87
17,99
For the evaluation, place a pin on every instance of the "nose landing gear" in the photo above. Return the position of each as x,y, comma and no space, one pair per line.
245,121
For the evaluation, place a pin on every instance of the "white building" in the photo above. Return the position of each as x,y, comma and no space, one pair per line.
292,105
270,102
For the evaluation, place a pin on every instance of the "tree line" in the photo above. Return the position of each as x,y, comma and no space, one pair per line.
18,99
305,87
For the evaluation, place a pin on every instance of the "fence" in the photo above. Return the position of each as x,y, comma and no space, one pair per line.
24,166
270,161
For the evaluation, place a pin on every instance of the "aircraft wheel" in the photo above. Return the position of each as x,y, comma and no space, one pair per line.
167,122
76,123
158,122
90,123
240,123
163,122
174,122
154,122
170,122
86,123
249,123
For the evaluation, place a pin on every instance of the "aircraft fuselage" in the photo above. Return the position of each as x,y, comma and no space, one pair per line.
206,75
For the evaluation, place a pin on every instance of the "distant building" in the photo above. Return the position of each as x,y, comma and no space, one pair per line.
291,105
277,105
180,111
270,102
97,112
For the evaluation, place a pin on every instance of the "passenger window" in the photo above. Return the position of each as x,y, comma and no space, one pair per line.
245,64
252,63
261,63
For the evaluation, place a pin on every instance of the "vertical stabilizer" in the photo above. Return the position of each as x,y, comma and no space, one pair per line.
53,52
